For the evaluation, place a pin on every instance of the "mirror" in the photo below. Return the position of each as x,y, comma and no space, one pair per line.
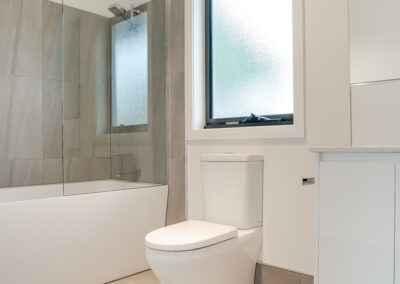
374,40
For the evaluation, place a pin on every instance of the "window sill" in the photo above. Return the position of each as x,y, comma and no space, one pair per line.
246,133
242,125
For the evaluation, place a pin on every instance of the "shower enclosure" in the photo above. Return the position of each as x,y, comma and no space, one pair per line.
83,140
82,97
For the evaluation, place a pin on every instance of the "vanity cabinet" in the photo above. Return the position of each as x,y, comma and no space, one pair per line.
357,223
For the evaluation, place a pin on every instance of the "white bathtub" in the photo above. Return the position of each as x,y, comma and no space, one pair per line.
10,194
79,239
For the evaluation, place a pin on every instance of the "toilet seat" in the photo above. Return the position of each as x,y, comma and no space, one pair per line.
189,235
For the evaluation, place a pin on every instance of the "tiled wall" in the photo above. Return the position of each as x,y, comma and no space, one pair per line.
270,275
87,75
32,142
176,110
142,156
30,92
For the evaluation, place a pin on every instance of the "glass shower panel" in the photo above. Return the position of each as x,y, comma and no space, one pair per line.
30,99
130,72
87,84
114,116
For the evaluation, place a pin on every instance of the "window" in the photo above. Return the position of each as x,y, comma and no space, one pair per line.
130,73
249,63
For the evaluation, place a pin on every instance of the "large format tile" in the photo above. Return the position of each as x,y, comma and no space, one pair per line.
176,39
52,119
146,277
176,101
5,93
88,118
53,171
10,15
95,38
76,170
4,172
305,279
72,49
71,100
177,194
25,172
25,127
71,138
270,275
29,42
52,40
100,169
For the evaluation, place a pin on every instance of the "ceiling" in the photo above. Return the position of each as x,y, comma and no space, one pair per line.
100,7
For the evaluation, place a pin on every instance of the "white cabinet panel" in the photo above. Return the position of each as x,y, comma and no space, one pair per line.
375,114
356,223
397,226
374,40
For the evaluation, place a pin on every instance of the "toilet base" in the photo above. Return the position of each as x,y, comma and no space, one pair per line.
229,262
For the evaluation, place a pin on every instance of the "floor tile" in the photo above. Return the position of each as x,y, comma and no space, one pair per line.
146,277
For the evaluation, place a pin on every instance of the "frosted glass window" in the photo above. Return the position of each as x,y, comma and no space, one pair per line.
130,72
251,54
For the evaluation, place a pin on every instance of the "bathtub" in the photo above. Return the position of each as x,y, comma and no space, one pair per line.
48,238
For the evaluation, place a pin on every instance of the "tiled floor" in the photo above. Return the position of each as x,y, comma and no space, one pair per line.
146,277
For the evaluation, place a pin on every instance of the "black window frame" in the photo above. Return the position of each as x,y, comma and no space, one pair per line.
275,120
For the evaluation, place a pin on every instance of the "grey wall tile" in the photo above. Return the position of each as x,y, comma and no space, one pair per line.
52,119
53,171
176,115
176,198
25,172
100,168
176,101
88,119
10,15
71,137
25,128
29,42
71,100
72,50
5,93
52,40
176,38
76,170
4,173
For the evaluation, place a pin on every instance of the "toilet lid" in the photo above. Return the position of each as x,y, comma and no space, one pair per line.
189,235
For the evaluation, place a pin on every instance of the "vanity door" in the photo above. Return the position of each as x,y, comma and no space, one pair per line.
356,223
397,227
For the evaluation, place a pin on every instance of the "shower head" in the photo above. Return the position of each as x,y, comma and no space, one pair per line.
117,10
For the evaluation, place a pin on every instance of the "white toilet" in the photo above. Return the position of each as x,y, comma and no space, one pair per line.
222,249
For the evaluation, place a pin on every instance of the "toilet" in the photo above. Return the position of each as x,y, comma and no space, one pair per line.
224,247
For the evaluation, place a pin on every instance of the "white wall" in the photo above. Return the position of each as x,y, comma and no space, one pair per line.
288,206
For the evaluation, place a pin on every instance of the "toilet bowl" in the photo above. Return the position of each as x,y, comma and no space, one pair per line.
196,252
223,248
